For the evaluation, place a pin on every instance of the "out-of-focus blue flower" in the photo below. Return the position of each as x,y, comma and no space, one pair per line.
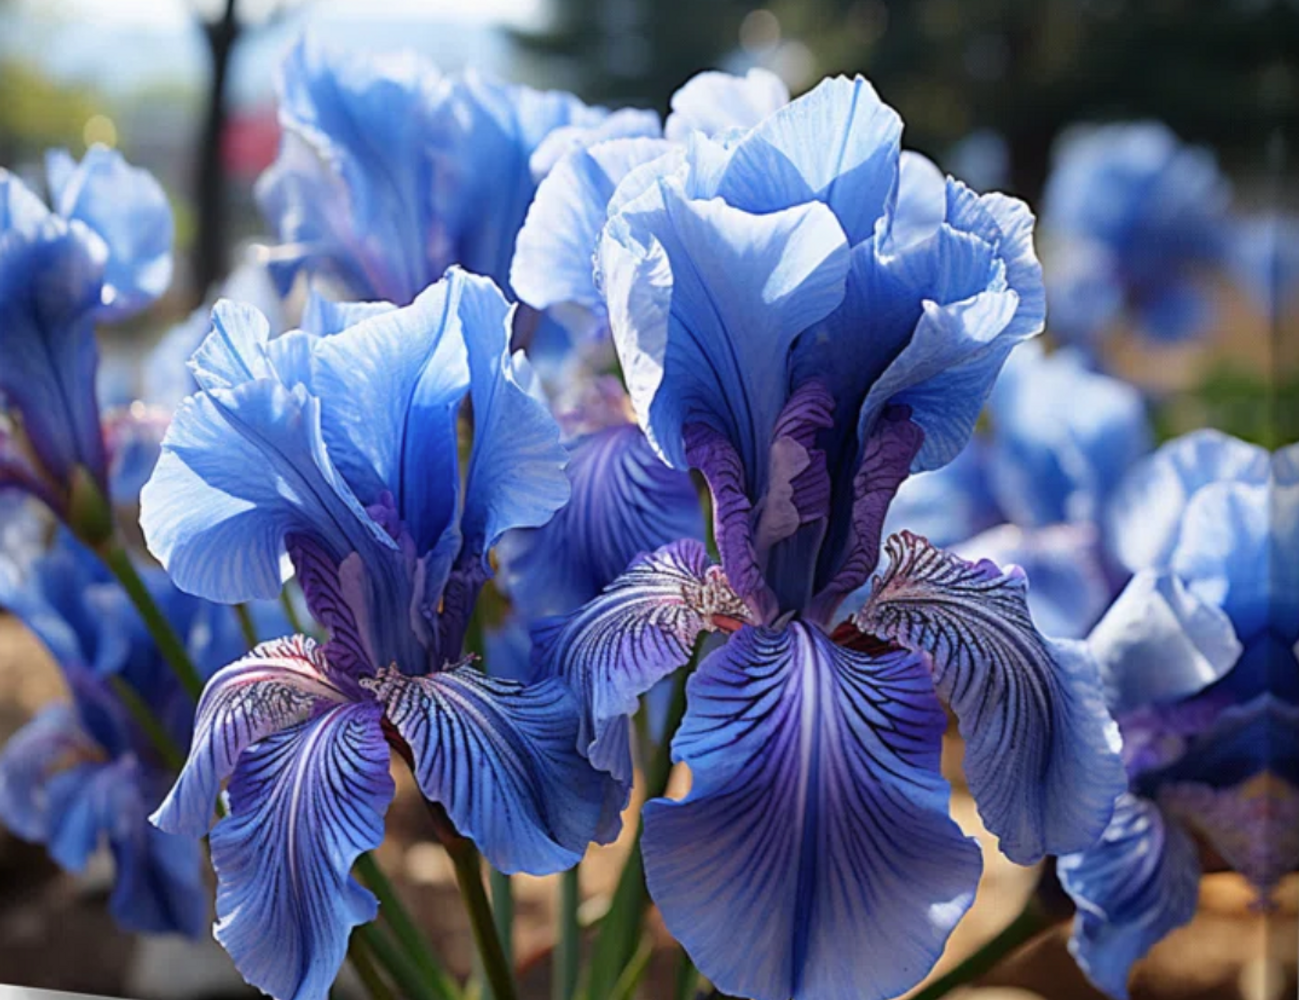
334,451
83,773
389,173
1136,220
806,316
1035,488
1201,665
103,253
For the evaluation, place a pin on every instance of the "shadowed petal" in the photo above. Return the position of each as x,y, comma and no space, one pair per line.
1041,751
278,685
502,759
816,831
625,501
1138,883
54,739
304,804
618,646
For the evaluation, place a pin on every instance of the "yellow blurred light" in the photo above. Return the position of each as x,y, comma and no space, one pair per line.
99,129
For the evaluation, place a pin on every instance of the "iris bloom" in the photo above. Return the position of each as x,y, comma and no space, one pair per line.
102,253
83,773
333,452
1199,657
806,316
1035,487
389,172
1137,221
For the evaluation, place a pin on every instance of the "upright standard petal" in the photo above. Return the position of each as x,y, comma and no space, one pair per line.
1041,751
50,282
816,830
305,803
712,102
502,759
278,685
619,645
240,470
1140,881
838,144
515,477
705,301
128,209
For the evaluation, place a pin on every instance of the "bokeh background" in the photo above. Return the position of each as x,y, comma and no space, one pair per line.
986,87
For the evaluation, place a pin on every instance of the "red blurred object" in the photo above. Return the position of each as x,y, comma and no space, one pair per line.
250,143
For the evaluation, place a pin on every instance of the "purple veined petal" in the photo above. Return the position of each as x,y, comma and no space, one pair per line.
304,804
1041,751
641,628
713,455
713,102
1137,883
885,464
816,831
318,575
279,684
502,758
626,501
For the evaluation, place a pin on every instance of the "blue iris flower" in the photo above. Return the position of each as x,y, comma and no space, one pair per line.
101,254
83,773
1199,659
1137,220
333,451
389,172
806,315
1034,488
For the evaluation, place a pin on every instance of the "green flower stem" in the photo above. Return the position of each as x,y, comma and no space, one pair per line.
502,915
145,718
404,928
164,636
625,987
620,931
687,981
468,866
358,953
566,959
246,625
1032,920
412,984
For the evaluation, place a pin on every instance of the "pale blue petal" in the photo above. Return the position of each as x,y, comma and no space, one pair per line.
1146,511
838,143
128,209
713,102
816,829
1139,882
30,758
705,302
515,477
502,759
240,470
1009,687
1159,643
304,805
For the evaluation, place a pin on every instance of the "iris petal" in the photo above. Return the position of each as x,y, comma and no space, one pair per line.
1138,883
278,685
618,646
502,759
1010,688
817,810
304,804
